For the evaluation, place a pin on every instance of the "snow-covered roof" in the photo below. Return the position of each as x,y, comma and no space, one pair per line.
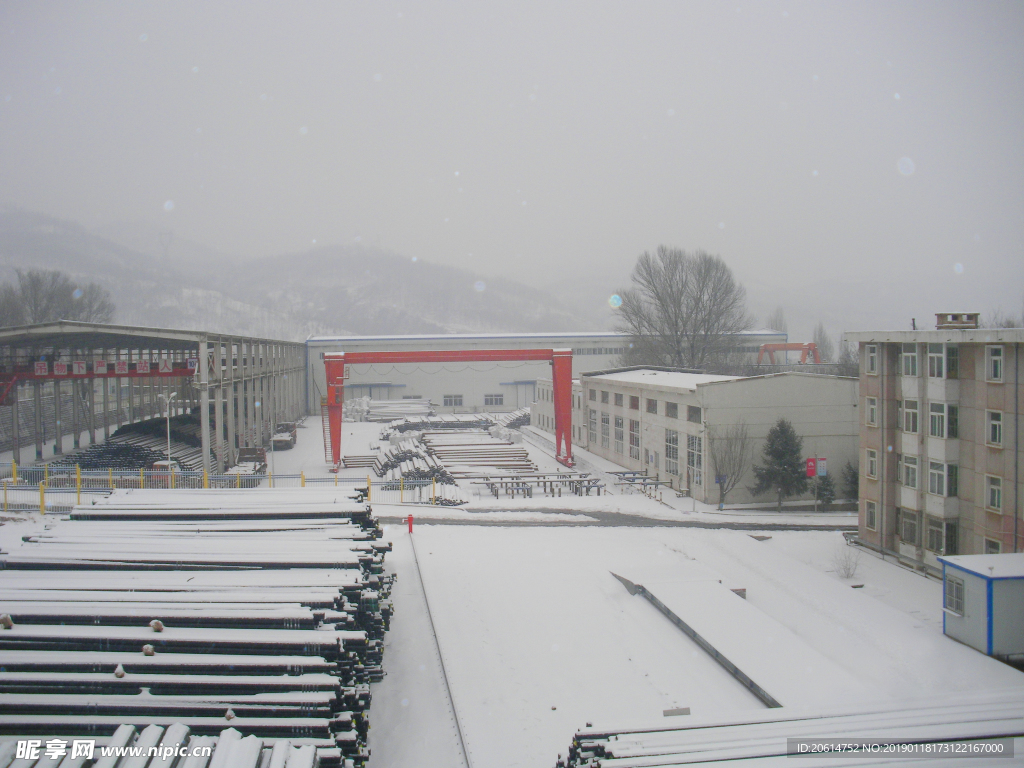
673,379
1006,566
583,335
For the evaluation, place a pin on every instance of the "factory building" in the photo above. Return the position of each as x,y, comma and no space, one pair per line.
663,421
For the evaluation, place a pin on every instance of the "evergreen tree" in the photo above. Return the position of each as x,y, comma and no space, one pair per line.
825,491
783,470
851,480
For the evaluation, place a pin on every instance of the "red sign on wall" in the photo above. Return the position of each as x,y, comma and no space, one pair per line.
812,467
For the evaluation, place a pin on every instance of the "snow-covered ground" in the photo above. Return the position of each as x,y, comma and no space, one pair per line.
538,638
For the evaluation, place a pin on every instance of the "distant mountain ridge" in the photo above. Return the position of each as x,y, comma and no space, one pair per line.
353,289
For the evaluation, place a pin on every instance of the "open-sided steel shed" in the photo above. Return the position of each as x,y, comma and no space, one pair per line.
114,374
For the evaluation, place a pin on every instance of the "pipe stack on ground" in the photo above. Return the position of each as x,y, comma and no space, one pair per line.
208,609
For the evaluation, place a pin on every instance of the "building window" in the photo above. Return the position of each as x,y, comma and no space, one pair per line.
994,363
693,414
908,529
618,434
870,515
604,396
652,406
952,480
871,358
910,360
910,416
935,361
412,397
672,410
871,462
953,594
952,361
952,421
634,403
494,399
994,432
871,412
592,426
910,471
937,419
452,401
935,539
994,493
606,425
672,451
593,395
618,399
634,439
993,547
695,459
950,545
937,478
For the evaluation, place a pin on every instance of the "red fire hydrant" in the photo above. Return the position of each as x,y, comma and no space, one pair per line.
410,523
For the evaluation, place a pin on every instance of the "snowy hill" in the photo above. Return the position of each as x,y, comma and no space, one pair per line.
166,281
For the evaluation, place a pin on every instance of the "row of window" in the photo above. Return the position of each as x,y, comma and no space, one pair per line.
613,436
943,360
943,419
693,412
455,401
600,351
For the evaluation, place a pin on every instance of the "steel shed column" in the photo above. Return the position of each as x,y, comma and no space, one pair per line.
204,401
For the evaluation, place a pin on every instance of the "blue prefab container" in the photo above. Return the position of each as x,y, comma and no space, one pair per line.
983,602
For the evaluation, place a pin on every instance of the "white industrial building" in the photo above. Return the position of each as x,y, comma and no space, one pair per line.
472,387
661,420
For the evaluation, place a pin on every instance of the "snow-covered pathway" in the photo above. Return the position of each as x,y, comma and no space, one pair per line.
411,720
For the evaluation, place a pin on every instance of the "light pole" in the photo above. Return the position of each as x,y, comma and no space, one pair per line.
168,399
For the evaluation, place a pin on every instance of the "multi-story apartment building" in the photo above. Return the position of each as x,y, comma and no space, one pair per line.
663,421
940,460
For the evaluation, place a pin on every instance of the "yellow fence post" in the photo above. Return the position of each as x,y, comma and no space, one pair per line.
238,480
42,498
335,479
270,475
78,483
111,472
433,490
302,476
368,487
171,469
14,471
206,479
142,478
5,495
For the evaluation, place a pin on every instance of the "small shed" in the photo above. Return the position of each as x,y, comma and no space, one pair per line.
983,602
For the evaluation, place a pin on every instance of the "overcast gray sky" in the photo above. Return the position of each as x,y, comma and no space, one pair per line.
837,142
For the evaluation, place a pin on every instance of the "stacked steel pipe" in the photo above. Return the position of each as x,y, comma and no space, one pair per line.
209,609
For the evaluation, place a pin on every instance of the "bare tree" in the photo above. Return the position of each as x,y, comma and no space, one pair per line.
777,321
44,295
731,453
824,343
849,364
93,304
1001,320
684,309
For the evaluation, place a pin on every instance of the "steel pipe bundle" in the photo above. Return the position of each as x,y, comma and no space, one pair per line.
198,610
